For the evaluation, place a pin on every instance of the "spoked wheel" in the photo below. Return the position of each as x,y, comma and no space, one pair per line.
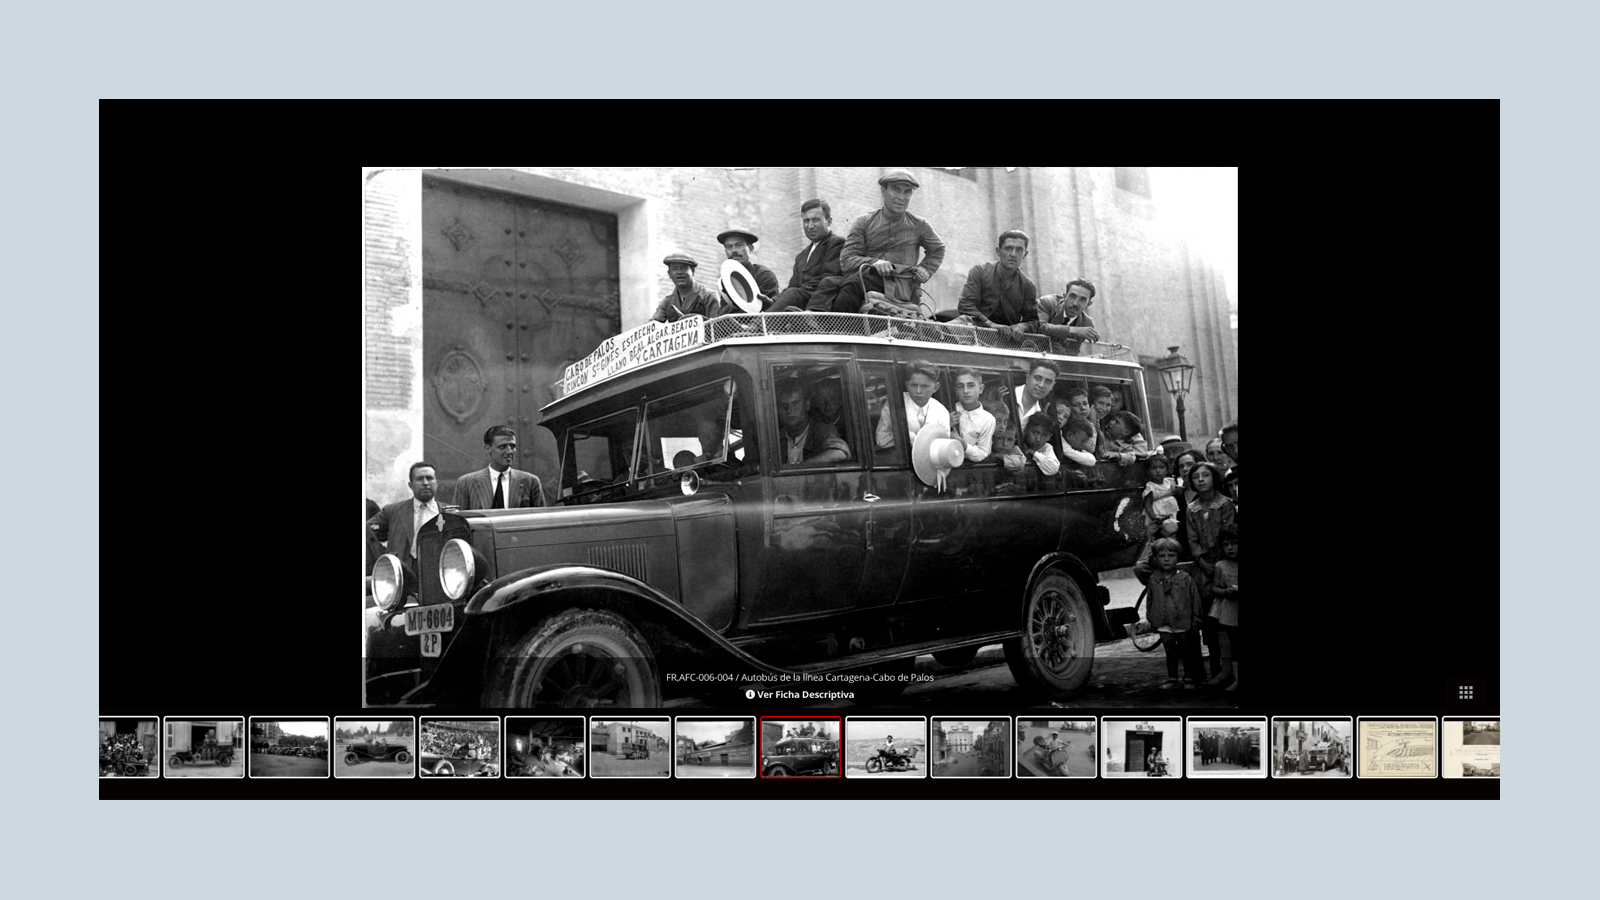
1055,653
175,762
875,764
402,757
225,760
580,658
1144,641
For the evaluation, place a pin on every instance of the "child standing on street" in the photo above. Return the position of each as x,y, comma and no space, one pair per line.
1208,514
1174,610
1225,607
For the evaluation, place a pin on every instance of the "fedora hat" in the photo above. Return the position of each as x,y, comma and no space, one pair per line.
934,453
743,295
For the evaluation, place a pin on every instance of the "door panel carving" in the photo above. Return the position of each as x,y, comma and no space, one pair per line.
514,290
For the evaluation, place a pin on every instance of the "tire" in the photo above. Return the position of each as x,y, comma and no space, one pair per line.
351,759
402,757
875,764
1055,654
225,760
780,771
1150,640
444,769
579,658
175,762
959,657
869,693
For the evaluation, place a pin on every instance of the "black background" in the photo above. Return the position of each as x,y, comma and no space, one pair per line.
1381,536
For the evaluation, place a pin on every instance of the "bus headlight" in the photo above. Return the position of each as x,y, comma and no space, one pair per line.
456,568
387,578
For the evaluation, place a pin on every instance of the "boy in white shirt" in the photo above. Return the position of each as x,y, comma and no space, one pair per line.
971,422
922,380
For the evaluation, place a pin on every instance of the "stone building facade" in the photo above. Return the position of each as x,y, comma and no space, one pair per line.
559,297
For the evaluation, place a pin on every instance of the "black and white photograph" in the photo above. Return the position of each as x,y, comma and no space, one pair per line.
630,748
1227,748
203,747
128,747
969,748
1469,748
1308,747
1141,748
548,747
458,748
723,346
801,748
374,748
289,748
714,748
1057,748
885,747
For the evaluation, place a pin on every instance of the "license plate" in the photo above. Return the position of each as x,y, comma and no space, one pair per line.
430,619
432,644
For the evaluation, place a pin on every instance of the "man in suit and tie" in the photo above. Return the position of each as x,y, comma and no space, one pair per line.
819,260
499,486
398,522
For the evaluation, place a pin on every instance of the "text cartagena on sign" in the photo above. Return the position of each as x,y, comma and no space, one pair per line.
621,352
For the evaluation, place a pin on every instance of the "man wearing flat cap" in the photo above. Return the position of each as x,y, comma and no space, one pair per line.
739,244
819,260
687,298
888,242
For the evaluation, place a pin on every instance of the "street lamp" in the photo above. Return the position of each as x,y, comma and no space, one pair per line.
1177,375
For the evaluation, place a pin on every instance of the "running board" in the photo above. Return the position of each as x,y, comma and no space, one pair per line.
900,651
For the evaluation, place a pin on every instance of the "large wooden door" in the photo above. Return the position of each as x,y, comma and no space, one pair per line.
514,290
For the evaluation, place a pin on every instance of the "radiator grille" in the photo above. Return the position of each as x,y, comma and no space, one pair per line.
625,558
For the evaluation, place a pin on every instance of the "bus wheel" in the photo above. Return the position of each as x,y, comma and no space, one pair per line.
580,658
1055,653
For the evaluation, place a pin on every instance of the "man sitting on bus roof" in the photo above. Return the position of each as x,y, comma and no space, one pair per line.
887,242
688,298
1066,317
998,295
739,244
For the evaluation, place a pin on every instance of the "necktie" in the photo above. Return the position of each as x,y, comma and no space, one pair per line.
808,252
416,528
499,491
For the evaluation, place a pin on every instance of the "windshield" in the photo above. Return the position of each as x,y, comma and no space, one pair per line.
690,428
598,456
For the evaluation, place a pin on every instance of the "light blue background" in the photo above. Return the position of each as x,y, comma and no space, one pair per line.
61,57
